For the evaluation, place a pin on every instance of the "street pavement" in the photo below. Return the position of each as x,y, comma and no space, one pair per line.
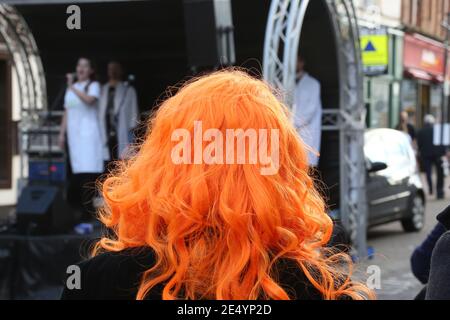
393,248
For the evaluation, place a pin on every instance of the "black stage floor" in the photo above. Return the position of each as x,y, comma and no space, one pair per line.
34,266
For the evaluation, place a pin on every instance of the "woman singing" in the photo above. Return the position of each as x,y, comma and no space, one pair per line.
80,122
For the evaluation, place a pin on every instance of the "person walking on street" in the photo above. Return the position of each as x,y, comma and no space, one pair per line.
405,126
431,155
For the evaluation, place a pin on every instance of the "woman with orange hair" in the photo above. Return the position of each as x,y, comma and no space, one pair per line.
195,216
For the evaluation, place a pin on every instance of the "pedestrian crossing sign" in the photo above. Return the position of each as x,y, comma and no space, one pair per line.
375,51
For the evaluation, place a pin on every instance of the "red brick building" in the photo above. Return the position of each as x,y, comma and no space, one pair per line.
425,16
424,58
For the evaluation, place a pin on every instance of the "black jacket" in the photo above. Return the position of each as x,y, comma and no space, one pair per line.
117,275
438,287
425,143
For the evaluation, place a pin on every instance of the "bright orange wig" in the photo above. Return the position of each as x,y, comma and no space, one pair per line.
218,230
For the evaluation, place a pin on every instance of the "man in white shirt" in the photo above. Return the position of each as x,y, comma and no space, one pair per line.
307,111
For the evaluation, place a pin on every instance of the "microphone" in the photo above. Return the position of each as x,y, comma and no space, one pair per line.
73,74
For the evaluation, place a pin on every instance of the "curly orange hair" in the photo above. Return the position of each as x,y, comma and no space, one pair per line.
218,230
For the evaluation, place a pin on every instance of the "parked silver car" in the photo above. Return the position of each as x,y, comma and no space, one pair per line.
394,188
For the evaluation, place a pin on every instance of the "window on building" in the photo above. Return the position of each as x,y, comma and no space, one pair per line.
415,12
409,98
436,101
379,104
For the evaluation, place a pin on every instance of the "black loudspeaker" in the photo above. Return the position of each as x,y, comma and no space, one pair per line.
42,209
209,33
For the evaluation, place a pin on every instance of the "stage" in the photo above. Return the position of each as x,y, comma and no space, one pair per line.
34,267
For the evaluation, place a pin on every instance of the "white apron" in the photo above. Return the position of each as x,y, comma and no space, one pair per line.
307,112
83,130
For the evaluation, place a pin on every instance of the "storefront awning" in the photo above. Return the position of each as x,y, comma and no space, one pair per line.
419,74
423,58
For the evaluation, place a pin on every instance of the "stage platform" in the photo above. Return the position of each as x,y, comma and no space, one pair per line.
34,266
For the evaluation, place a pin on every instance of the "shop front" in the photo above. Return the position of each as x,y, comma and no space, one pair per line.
381,51
422,85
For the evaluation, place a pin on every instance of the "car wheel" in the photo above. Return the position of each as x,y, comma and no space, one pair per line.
416,220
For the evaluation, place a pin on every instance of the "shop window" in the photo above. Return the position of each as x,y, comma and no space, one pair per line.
409,98
436,101
374,149
379,108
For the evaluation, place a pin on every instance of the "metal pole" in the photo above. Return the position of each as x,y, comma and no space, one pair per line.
445,88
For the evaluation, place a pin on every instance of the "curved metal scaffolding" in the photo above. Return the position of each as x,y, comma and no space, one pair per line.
27,63
281,47
28,72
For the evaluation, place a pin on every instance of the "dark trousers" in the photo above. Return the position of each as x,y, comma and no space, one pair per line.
80,193
428,163
81,188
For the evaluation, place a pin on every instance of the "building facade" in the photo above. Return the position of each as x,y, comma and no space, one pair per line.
425,16
424,58
402,44
382,49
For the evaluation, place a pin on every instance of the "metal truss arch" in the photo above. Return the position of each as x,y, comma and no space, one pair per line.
27,64
283,31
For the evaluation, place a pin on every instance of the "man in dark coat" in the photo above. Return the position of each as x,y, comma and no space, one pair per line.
438,287
421,257
431,155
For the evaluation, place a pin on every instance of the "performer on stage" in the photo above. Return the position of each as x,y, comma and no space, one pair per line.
307,111
80,122
118,113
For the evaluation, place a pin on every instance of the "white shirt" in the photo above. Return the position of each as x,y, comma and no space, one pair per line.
307,113
83,130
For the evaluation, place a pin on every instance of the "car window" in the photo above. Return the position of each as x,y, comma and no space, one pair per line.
388,147
374,149
393,148
397,153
